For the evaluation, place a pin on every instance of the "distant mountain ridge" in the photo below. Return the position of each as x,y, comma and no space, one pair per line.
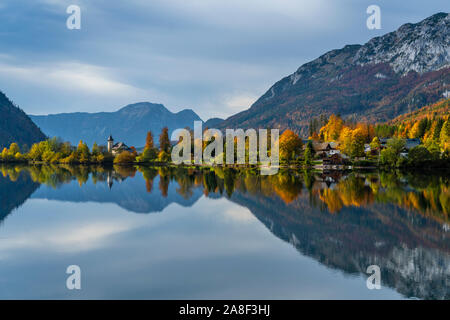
16,126
129,124
388,76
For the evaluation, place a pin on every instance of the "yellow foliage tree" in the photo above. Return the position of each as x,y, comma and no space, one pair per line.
290,145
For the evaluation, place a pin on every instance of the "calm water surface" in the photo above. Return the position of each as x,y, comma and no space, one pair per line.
142,233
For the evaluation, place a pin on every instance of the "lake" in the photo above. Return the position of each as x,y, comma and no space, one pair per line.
178,233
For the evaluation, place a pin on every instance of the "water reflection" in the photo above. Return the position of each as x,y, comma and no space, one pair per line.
344,221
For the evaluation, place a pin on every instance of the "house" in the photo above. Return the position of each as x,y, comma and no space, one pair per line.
325,149
334,159
383,142
118,147
409,143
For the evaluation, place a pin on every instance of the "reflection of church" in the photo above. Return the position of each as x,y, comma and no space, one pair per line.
118,147
112,176
109,179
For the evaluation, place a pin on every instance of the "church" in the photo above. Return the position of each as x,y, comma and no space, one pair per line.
117,148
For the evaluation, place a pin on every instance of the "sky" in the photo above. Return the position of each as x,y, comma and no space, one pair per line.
214,57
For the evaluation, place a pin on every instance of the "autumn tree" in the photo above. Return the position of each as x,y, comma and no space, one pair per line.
149,141
125,157
357,145
164,141
345,141
332,130
290,145
375,144
83,152
445,136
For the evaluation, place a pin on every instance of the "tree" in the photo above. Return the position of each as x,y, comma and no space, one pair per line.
332,130
366,130
5,155
308,157
396,144
164,156
13,149
388,157
147,155
445,136
414,131
125,157
164,141
391,154
345,141
290,145
418,154
149,141
357,143
437,128
83,152
375,144
95,149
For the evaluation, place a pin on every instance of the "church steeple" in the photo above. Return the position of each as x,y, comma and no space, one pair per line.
110,143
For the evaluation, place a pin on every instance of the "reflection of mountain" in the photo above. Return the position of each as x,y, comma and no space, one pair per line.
346,223
412,251
129,194
14,193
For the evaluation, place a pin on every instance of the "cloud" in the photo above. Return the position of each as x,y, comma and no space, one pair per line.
71,76
240,102
210,56
73,239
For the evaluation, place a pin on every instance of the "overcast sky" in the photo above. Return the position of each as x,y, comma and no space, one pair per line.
215,57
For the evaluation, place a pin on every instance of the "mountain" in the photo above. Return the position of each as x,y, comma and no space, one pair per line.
212,123
16,126
438,109
129,124
388,76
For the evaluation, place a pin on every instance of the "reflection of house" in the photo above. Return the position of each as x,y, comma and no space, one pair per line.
118,147
325,148
333,162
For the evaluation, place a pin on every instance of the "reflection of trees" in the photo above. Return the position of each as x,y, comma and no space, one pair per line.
125,171
56,175
348,192
186,182
427,194
149,174
164,180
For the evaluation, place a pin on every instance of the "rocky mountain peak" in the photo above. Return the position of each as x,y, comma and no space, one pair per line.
419,47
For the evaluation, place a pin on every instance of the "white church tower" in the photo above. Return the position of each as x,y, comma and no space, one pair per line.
110,143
